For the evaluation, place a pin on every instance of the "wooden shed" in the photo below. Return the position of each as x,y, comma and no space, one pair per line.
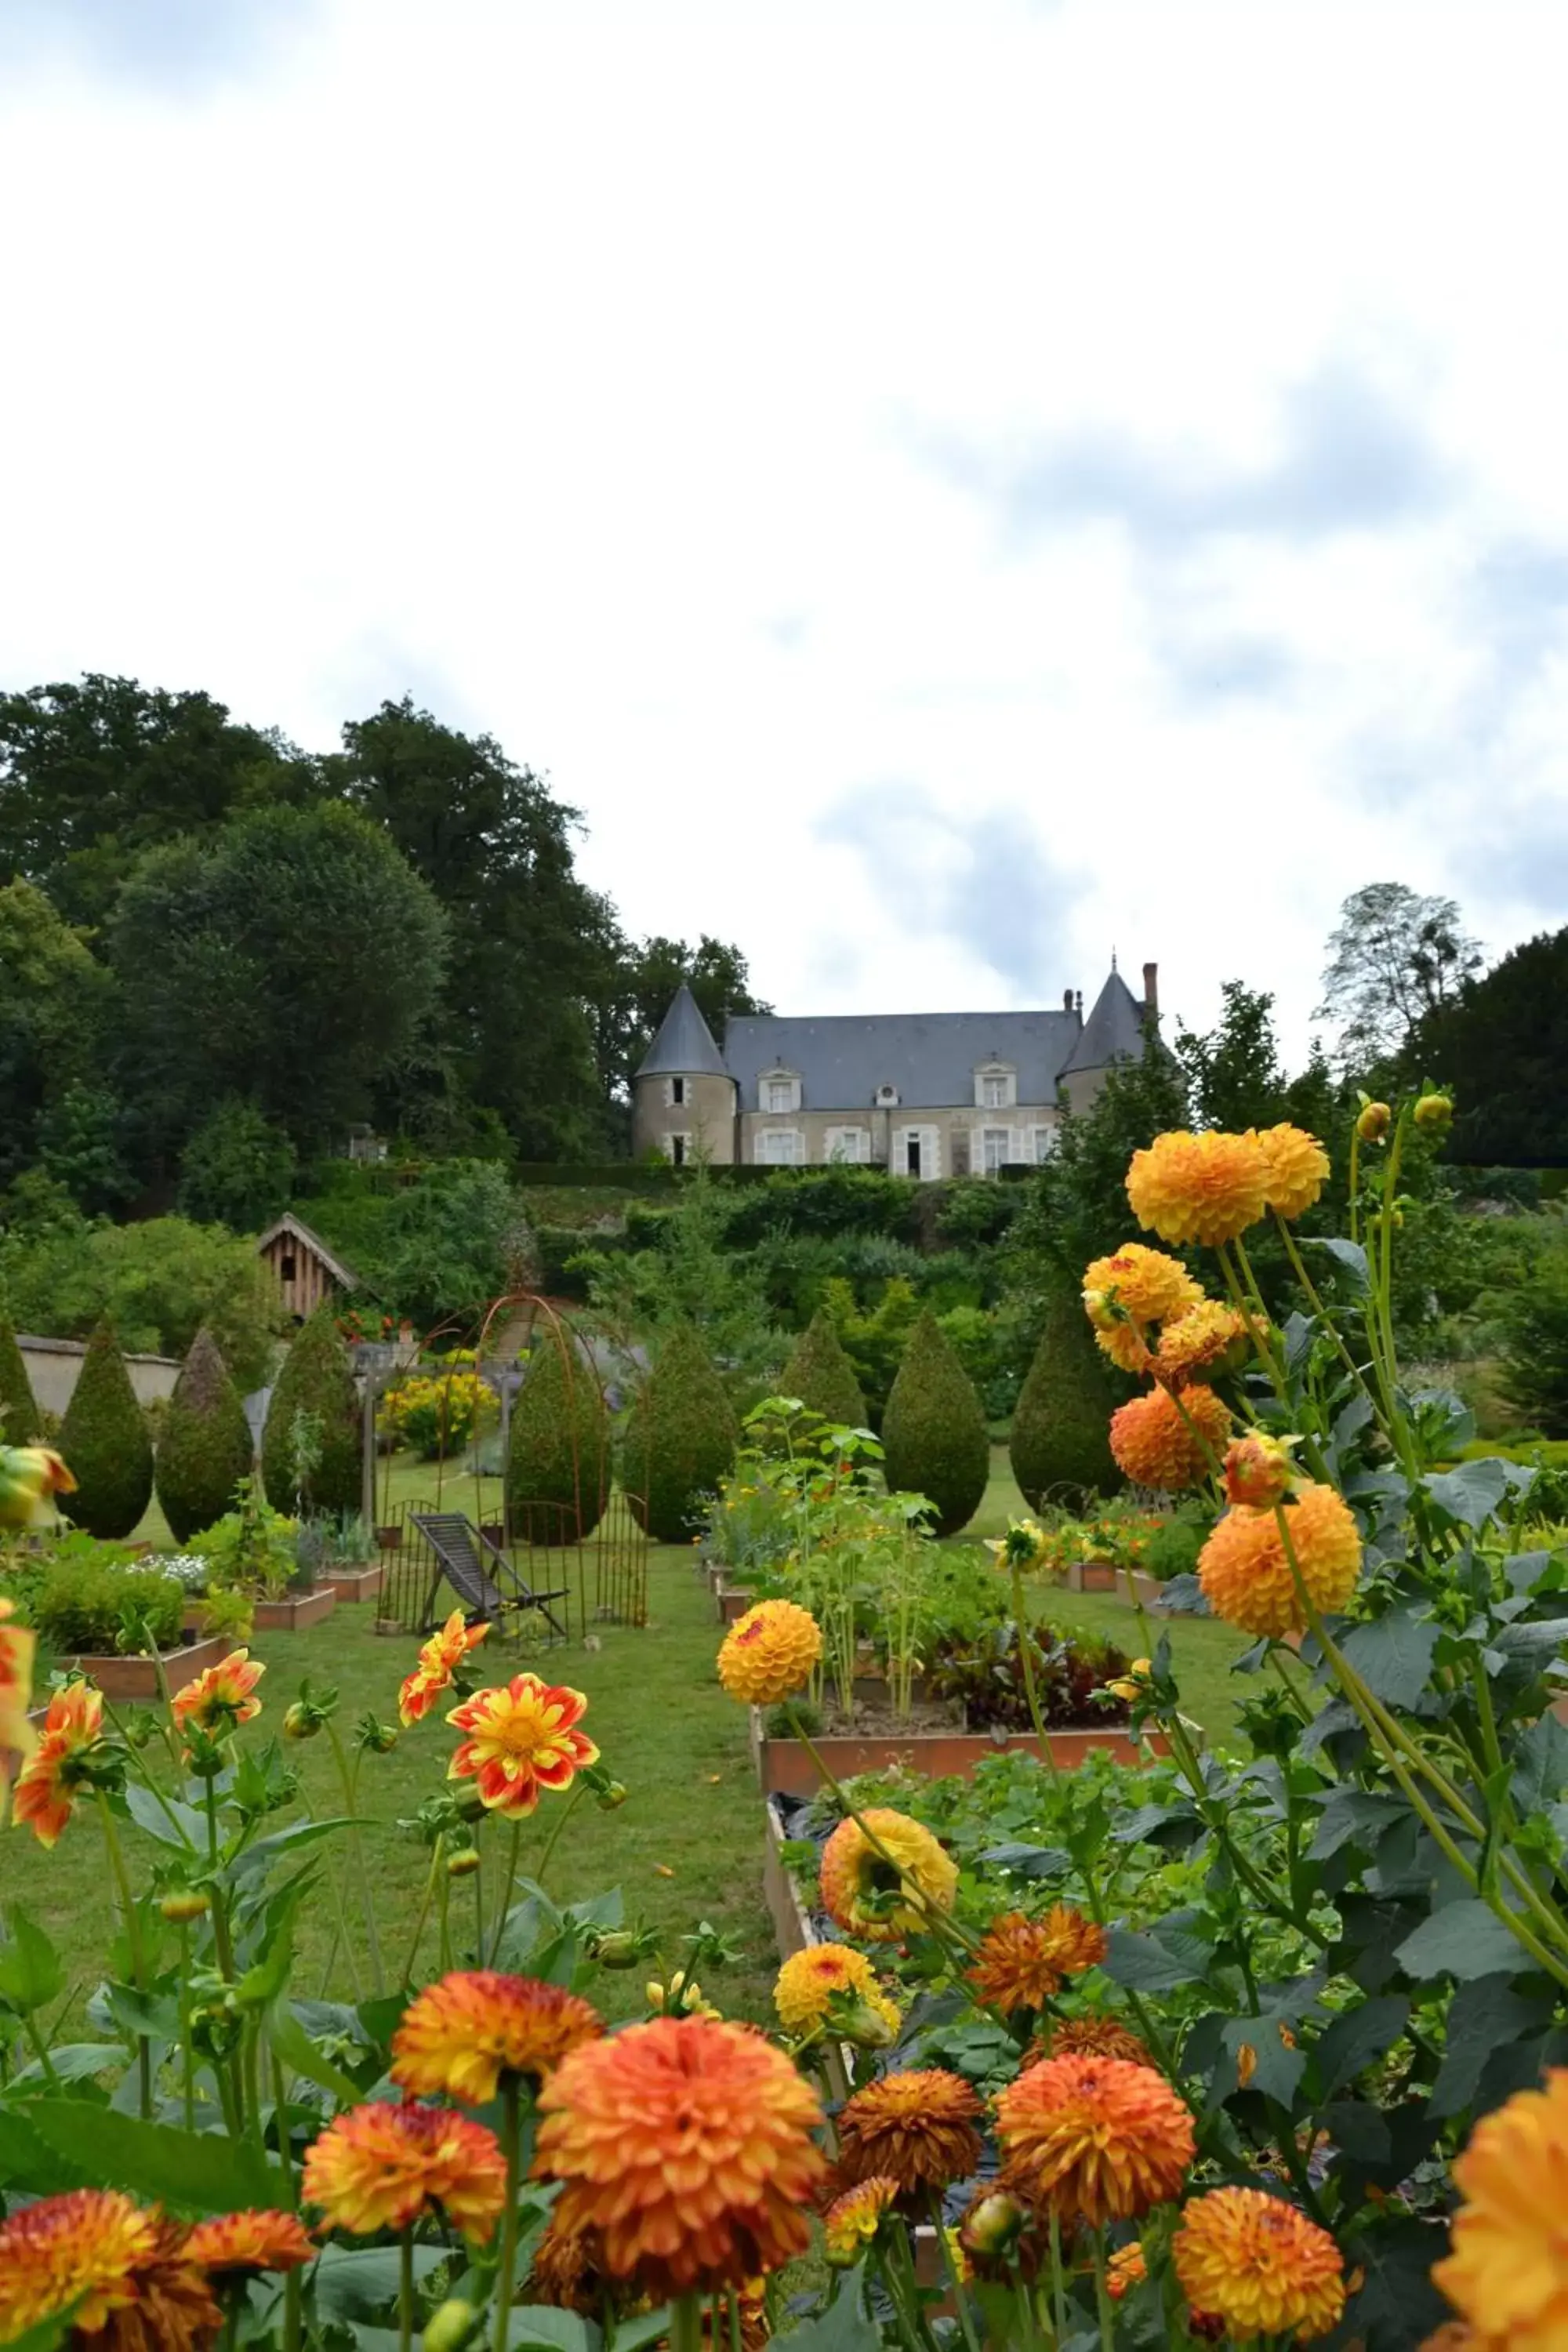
306,1271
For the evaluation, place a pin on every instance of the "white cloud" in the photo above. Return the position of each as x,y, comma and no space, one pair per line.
1130,432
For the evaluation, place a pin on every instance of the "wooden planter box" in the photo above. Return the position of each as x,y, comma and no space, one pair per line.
355,1584
295,1611
389,1539
1105,1575
136,1679
785,1765
731,1605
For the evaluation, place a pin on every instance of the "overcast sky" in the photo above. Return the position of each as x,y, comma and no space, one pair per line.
946,486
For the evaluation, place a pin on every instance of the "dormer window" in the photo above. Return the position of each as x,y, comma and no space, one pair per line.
995,1086
778,1090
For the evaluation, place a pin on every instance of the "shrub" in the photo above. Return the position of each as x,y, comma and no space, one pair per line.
254,1550
822,1376
236,1170
1536,1347
680,1439
439,1413
1060,1443
19,1423
316,1385
105,1444
95,1608
558,1452
933,1431
205,1448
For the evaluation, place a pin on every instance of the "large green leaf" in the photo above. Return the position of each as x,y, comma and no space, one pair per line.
170,1822
1360,1814
1356,2037
27,2163
30,1970
357,2284
1144,1965
1486,2015
200,2172
1540,1766
1465,1940
1470,1493
843,2327
1393,1656
293,2045
1347,1256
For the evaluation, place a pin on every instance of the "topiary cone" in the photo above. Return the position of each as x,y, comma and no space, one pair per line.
558,1448
317,1378
205,1448
934,1439
105,1444
680,1440
822,1376
1061,1425
20,1421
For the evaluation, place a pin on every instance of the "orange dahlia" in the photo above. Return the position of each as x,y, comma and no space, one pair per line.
768,1654
1258,1471
568,2269
220,1700
1095,2137
815,1984
686,2145
46,1786
251,2242
379,2166
853,2220
1159,1442
521,1739
1507,2268
84,2248
1137,1285
1297,1165
1245,1575
1124,2271
1091,2036
1205,1335
883,1895
916,2129
1022,1962
462,2034
1198,1188
174,2310
1259,2264
438,1660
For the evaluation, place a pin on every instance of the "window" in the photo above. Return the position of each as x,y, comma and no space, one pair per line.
996,1147
996,1094
781,1094
778,1146
286,1266
677,1091
911,1155
850,1143
679,1145
1044,1142
995,1086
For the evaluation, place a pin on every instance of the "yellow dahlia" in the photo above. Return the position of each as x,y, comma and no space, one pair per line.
815,1984
1259,2265
768,1654
462,2034
1245,1575
1198,1188
916,2129
686,2145
1124,2271
1158,1442
1205,1335
221,1700
1297,1165
1507,2268
45,1787
1258,1471
1094,2137
853,2220
438,1660
1135,1287
883,1895
251,2242
1022,1962
1091,2036
521,1739
84,2248
379,2166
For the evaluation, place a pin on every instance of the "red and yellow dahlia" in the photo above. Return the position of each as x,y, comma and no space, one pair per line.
218,1701
379,2166
1124,2271
1507,2267
521,1739
1245,1572
885,1890
1159,1442
252,2240
1259,2265
1091,2036
1095,2137
85,2247
18,1737
768,1654
45,1786
1022,1962
853,2220
462,2034
30,1478
438,1660
685,2144
916,2129
1198,1188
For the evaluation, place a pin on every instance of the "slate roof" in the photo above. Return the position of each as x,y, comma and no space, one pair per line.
930,1057
684,1043
1113,1031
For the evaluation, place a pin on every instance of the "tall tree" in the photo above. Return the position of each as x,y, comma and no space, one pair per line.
1503,1047
53,1011
1394,960
94,774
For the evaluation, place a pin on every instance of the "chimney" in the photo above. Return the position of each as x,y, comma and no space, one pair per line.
1067,1000
1152,988
1077,1004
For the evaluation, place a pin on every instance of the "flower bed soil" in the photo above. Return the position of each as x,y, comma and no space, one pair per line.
295,1611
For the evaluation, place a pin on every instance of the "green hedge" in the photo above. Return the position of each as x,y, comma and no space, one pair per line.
205,1448
822,1376
317,1378
934,1438
1060,1441
104,1441
19,1420
680,1440
558,1453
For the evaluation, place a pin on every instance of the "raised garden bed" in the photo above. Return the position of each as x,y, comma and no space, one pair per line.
295,1611
785,1765
136,1679
1105,1575
354,1583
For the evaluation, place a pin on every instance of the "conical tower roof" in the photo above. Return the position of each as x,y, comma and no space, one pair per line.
684,1044
1113,1031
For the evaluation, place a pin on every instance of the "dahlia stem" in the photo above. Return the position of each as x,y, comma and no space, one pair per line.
1058,2279
405,2290
561,1818
511,2144
503,1898
1026,1643
1101,2294
685,2324
133,1938
1298,1268
733,2301
955,2284
942,1923
424,1913
356,1846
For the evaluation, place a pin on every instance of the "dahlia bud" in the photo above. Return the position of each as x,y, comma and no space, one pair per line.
470,1806
183,1904
1433,1111
993,2224
380,1738
863,2027
1258,1472
1374,1121
613,1797
1134,1685
449,2326
301,1721
463,1863
653,1993
617,1950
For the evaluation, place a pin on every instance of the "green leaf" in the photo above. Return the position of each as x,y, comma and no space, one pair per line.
843,2327
1540,1767
1485,2016
607,1910
1143,1965
144,2016
545,2325
1280,2064
1470,1493
73,2062
30,1970
185,1832
1027,1861
1356,2037
357,2282
265,1851
1347,1255
1465,1940
46,2336
201,2172
1355,1813
293,2045
1358,2130
25,2162
1393,1656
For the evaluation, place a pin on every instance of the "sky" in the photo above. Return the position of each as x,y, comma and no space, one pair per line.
948,489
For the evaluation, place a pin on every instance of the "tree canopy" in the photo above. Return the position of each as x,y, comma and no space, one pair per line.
1502,1047
1394,960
